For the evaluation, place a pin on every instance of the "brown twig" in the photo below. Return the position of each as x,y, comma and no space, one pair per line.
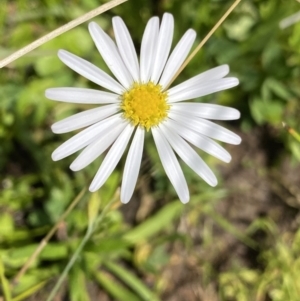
291,131
45,240
93,13
217,25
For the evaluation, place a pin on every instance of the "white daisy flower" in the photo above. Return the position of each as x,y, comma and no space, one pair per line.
138,102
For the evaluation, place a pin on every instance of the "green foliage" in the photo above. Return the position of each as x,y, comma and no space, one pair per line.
125,258
277,281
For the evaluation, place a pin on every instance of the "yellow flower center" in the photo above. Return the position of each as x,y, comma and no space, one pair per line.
145,104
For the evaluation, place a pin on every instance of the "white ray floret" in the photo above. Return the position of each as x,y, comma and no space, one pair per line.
207,111
148,49
206,128
177,57
171,165
90,71
110,54
80,95
210,75
84,119
112,158
126,47
132,165
163,47
85,137
206,144
206,88
96,148
189,156
136,103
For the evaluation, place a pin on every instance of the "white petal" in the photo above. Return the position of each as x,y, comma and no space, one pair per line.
84,119
81,95
171,165
112,158
110,54
163,46
177,57
206,110
204,89
148,49
89,71
207,128
95,149
132,165
85,137
126,47
212,74
206,144
189,156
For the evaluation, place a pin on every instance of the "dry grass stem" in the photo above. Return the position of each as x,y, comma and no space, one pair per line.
231,8
290,20
97,11
291,131
45,240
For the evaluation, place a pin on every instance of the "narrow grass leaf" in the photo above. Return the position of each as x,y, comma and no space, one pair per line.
4,283
93,207
77,285
131,280
117,291
155,223
29,292
226,225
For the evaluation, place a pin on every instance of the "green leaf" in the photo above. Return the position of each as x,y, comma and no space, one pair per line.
24,234
93,207
32,104
77,285
294,38
155,223
60,197
116,290
271,54
6,224
108,245
229,227
266,111
279,89
295,148
77,40
4,282
54,251
48,65
131,280
33,280
110,187
30,291
18,256
240,28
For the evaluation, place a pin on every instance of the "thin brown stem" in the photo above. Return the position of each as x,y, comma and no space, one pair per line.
93,13
217,25
86,238
45,240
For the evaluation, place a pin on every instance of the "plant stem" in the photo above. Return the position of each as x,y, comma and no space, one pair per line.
217,25
53,34
45,240
291,131
89,232
69,265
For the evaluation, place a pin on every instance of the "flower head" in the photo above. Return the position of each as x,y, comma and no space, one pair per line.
139,102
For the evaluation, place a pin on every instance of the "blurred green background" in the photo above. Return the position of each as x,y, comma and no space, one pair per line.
238,241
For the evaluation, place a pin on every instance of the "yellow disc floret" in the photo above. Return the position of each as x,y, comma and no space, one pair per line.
145,104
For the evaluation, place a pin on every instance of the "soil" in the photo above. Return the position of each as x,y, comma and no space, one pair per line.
256,189
261,183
